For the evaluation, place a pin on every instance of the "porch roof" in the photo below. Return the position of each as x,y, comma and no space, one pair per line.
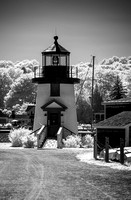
54,104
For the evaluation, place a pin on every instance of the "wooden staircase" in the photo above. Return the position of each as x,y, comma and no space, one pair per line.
44,142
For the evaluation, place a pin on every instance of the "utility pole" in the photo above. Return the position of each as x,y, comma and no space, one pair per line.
92,99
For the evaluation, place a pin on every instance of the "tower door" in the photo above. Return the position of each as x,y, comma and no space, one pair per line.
54,122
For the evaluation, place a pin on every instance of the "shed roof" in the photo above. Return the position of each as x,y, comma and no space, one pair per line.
120,120
126,100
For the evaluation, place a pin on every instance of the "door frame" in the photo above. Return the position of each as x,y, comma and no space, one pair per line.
53,128
53,106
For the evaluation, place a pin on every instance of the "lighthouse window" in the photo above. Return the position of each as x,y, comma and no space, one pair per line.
55,60
63,60
48,61
55,89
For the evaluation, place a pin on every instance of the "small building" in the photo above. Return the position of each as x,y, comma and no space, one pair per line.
31,113
3,118
114,107
98,117
20,120
115,127
55,101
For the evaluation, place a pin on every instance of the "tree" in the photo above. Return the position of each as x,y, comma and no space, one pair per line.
83,111
10,76
128,80
97,100
5,83
118,91
22,91
123,60
14,73
10,72
20,109
105,82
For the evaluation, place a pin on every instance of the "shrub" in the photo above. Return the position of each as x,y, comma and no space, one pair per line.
16,135
87,141
76,141
72,141
29,141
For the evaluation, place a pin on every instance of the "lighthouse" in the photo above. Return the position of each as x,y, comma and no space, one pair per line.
55,101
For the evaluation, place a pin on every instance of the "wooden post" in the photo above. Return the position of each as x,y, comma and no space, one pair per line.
92,98
122,151
106,149
95,146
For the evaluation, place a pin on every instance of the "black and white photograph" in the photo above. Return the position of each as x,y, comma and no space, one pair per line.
65,99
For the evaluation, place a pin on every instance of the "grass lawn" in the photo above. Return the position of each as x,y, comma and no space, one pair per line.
30,174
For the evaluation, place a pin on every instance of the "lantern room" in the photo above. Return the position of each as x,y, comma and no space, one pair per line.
55,65
55,55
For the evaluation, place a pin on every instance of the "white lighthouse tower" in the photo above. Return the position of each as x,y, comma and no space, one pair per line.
55,101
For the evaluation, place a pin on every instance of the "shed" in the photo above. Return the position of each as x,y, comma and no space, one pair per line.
113,107
115,127
31,112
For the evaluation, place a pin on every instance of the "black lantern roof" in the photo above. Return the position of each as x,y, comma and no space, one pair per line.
56,48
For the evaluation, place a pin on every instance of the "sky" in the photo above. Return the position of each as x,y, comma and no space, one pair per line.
85,27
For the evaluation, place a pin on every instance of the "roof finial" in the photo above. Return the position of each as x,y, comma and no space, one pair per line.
55,38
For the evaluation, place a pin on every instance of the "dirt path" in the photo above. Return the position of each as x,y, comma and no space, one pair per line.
59,175
36,173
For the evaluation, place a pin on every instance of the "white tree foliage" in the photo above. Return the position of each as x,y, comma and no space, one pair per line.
14,87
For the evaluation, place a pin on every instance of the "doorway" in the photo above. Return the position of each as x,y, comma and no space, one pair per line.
53,124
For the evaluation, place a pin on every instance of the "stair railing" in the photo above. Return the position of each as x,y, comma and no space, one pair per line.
41,136
72,133
59,138
35,132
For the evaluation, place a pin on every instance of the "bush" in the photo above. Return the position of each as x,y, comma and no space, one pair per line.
87,141
16,135
29,141
76,141
72,141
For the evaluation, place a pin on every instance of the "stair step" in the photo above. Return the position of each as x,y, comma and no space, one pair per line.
50,143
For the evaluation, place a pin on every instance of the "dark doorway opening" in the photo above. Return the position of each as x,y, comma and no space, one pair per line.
54,121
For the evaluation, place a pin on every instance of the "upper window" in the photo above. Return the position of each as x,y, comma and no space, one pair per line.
55,89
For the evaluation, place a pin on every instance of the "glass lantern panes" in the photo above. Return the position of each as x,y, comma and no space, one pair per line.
63,60
48,60
55,60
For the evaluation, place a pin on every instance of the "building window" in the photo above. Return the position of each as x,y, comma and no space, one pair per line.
55,89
